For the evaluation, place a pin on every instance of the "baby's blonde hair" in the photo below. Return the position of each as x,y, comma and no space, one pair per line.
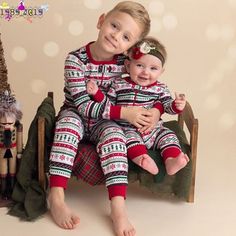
137,11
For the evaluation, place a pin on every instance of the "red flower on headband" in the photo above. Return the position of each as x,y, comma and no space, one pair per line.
142,49
137,53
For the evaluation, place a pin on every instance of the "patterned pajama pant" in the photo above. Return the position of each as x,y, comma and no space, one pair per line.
161,138
108,137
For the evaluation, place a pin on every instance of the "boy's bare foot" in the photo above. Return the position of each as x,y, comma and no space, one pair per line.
147,163
173,165
121,223
60,212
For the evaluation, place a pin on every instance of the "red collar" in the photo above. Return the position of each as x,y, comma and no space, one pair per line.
128,80
113,61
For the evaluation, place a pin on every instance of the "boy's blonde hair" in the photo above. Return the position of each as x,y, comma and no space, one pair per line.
137,11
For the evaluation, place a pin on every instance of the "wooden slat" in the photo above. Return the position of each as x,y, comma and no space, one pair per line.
41,148
193,144
187,118
50,94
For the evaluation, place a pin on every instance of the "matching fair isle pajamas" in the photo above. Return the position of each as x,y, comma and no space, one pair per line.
124,92
80,117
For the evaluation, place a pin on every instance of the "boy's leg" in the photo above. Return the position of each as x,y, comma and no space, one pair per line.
168,143
137,152
61,213
68,132
111,147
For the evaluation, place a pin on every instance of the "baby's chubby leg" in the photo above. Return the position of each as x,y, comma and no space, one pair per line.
173,165
147,163
60,212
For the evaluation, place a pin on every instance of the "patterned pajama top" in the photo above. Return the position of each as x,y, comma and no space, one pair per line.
80,67
124,92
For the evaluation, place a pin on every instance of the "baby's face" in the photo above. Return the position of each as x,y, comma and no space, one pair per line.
146,70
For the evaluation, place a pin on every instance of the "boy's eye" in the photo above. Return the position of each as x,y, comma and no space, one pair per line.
126,37
139,65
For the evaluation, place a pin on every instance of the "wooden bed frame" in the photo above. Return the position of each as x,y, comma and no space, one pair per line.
185,118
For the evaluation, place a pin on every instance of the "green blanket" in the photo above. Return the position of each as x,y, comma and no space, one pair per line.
29,198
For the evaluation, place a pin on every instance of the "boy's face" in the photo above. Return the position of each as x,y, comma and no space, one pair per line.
146,70
118,32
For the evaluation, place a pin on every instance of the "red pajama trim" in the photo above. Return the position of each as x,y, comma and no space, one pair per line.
136,151
160,107
117,190
175,109
171,152
99,96
115,112
58,181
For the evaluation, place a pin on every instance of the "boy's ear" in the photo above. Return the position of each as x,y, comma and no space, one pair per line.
127,64
125,53
101,19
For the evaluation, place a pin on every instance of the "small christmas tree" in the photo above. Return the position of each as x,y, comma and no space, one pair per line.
3,71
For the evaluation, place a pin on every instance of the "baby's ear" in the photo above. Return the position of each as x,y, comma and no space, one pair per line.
127,64
163,69
101,19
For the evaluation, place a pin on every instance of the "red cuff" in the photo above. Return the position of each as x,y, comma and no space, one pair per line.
58,181
170,152
136,151
117,190
115,112
159,107
175,109
99,96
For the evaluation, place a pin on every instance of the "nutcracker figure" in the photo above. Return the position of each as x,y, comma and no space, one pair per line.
11,144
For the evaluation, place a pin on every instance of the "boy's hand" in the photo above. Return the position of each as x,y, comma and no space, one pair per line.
137,116
180,101
91,87
154,119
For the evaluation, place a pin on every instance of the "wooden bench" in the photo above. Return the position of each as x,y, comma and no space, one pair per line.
185,119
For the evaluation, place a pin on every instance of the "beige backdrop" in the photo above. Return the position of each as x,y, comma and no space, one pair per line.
200,37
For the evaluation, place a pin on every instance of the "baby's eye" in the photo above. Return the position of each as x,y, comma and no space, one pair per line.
154,68
114,25
139,65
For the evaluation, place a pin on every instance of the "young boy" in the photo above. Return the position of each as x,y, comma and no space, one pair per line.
141,87
80,117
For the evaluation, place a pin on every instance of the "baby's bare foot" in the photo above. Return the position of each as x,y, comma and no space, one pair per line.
60,212
147,163
173,165
121,223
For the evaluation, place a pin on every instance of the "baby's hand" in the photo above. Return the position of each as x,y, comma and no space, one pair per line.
91,87
154,119
180,101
